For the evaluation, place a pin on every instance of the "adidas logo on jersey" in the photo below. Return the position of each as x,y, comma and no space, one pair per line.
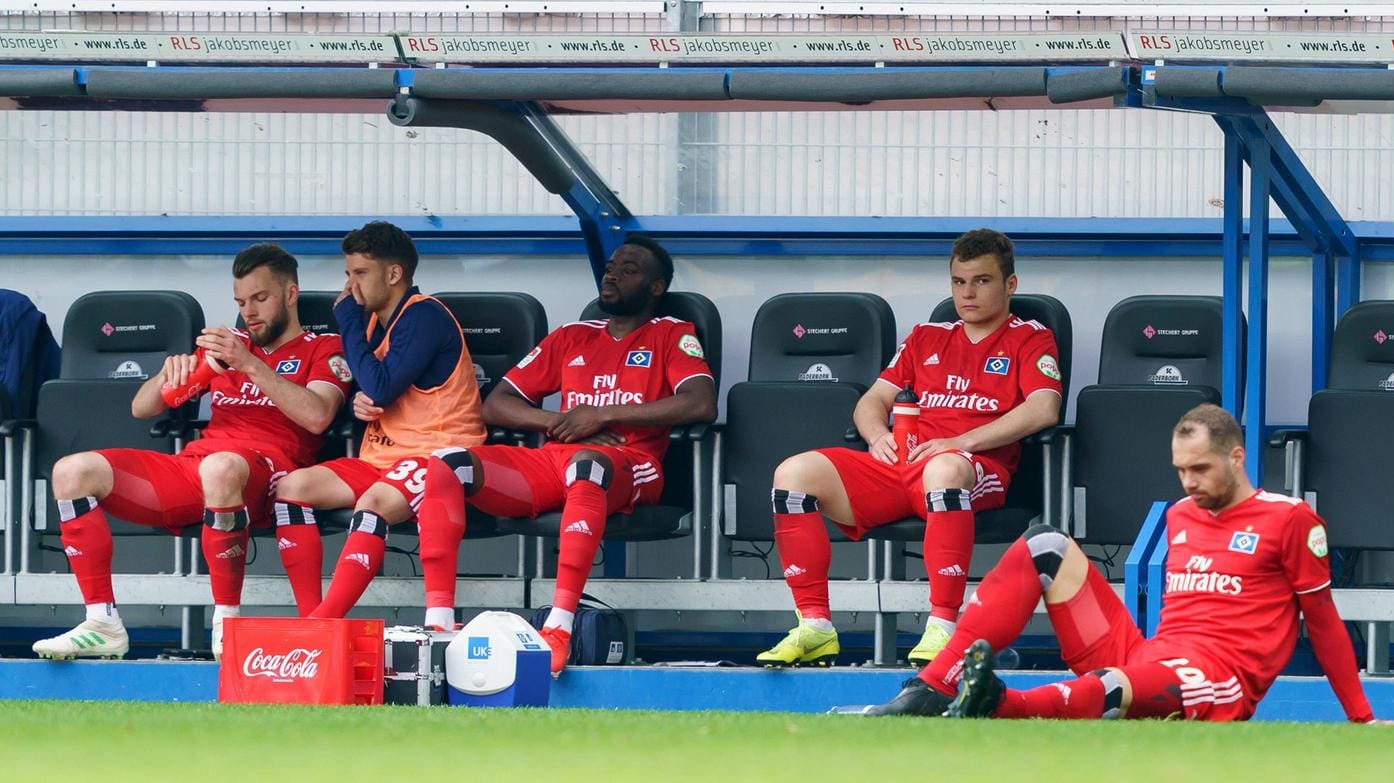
579,361
579,526
933,359
284,544
953,570
1180,538
71,551
231,552
359,558
793,570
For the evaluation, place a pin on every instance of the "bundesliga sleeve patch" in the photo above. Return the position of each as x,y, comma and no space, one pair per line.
526,360
1316,540
338,365
1046,364
690,345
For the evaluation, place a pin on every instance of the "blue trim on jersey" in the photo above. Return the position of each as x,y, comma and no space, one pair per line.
424,353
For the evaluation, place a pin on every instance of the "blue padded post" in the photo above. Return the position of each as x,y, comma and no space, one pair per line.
1156,578
1233,272
1135,585
1323,300
1256,365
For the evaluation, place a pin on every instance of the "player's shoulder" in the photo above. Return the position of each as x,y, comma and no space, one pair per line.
1026,327
322,341
1289,507
582,327
933,330
670,324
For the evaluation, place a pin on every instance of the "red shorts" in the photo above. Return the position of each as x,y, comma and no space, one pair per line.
881,494
408,476
164,490
522,482
1108,638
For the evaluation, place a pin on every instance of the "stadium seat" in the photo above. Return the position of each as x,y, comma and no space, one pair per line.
1026,497
1343,458
28,357
672,516
112,342
812,355
1160,356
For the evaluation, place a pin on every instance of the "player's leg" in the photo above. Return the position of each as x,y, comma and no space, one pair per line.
298,540
1043,563
386,502
231,480
947,481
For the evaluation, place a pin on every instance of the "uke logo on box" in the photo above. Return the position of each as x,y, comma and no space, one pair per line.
479,649
298,664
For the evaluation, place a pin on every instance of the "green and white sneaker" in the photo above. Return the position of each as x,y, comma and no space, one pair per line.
805,645
91,639
934,640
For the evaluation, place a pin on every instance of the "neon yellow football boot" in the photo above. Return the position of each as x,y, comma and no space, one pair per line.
803,646
934,640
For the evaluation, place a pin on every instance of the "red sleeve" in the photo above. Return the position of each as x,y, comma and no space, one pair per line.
328,365
1040,364
901,370
1334,652
685,358
1305,563
539,373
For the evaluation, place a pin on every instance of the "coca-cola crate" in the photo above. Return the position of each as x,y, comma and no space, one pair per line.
291,660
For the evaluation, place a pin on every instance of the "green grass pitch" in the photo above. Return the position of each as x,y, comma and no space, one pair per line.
117,741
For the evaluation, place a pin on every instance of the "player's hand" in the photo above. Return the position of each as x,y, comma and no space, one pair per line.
933,447
178,368
577,424
350,289
226,347
883,449
606,437
364,409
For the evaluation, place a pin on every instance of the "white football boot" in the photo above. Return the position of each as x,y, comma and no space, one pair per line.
90,639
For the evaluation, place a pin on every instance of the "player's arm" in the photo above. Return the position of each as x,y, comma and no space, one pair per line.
418,335
1040,410
507,407
312,407
870,416
147,403
693,401
1334,652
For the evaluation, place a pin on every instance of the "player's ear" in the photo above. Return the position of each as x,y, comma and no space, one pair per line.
395,272
1011,284
292,294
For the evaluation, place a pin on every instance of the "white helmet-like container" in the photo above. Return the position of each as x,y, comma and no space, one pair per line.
498,660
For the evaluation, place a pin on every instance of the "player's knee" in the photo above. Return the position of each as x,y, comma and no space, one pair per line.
1047,546
77,475
590,466
295,485
1115,687
224,469
948,471
462,463
386,502
806,472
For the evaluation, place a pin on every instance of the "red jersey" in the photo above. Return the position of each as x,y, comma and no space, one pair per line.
245,417
1232,581
963,385
589,367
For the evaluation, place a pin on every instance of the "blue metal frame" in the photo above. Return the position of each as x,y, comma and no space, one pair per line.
1156,582
1256,363
1137,593
1232,272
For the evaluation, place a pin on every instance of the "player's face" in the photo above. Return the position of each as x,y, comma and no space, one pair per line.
371,279
628,285
263,298
980,293
1208,478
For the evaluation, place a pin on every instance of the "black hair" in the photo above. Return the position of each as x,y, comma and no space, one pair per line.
660,256
267,254
384,243
986,242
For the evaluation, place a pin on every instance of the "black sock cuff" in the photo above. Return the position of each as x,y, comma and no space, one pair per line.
789,501
953,499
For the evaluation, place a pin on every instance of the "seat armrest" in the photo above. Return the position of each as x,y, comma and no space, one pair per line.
1046,436
690,432
340,428
852,436
1280,438
506,435
9,427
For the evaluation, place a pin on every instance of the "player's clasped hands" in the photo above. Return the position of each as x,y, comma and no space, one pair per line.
577,424
364,409
178,368
933,447
226,347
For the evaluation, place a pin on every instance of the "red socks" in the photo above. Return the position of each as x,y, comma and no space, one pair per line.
1074,699
358,564
224,543
998,611
302,553
582,525
948,549
804,551
87,542
441,523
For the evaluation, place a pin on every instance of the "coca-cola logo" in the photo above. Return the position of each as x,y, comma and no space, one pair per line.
299,663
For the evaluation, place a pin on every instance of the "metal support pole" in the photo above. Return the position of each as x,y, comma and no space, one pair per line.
1377,648
1347,283
26,504
1233,263
1323,299
1256,365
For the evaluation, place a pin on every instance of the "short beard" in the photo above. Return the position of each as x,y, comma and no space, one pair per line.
623,307
273,331
1220,501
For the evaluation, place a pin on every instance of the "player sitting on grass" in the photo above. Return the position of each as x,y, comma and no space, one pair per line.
983,383
282,388
624,382
1241,565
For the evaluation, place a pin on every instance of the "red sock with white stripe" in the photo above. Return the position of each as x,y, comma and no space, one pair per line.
360,561
804,550
86,540
224,544
948,550
582,526
441,523
302,553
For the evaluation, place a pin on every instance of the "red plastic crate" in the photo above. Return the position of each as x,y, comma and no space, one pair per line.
288,660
